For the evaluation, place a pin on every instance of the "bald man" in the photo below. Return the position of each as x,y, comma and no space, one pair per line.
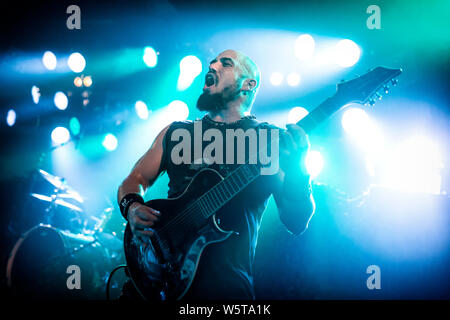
225,269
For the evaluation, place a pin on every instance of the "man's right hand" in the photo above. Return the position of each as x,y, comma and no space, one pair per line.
142,218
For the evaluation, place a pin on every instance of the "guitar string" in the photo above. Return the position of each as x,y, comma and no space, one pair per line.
180,218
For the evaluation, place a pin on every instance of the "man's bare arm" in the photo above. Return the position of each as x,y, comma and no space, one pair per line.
146,170
141,218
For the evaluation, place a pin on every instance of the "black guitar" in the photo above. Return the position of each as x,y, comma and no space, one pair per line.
165,267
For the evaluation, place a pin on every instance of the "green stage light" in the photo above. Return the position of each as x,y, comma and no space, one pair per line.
74,125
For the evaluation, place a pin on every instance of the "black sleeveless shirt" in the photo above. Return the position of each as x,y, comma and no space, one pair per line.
225,268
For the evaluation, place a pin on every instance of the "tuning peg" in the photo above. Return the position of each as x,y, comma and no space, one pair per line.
371,102
378,96
386,89
394,82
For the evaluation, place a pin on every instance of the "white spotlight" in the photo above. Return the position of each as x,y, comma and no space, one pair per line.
49,60
314,163
190,68
347,53
276,78
150,57
355,121
11,117
76,62
296,114
304,47
178,110
141,109
35,94
293,79
60,135
61,101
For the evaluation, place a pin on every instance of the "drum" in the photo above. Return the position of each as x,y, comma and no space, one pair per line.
111,222
48,263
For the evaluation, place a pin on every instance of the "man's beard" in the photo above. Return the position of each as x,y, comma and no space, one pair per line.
217,101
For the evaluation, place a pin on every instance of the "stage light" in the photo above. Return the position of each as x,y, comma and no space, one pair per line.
415,166
35,94
87,81
347,53
304,47
76,62
61,100
293,79
78,82
74,125
11,117
276,78
178,110
190,68
49,60
60,135
296,114
141,109
110,142
314,163
355,121
150,57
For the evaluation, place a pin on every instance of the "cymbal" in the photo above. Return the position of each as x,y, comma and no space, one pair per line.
60,183
57,201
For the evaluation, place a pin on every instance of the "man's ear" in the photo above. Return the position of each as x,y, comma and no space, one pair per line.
249,85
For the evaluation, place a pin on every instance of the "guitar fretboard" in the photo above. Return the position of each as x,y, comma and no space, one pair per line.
227,189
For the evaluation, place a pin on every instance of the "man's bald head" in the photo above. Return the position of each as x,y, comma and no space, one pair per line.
247,66
236,78
248,71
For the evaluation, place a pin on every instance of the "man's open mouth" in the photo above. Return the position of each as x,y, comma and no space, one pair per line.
210,79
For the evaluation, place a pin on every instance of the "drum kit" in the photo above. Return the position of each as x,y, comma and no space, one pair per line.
42,261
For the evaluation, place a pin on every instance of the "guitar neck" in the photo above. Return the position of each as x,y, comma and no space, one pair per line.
320,113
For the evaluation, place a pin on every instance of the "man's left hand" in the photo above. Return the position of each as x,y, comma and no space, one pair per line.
293,149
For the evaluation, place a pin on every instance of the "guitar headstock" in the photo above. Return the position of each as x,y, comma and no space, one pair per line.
365,89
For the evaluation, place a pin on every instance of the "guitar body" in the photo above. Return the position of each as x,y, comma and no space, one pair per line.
166,266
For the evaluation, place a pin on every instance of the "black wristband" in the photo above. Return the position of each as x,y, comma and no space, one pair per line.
127,200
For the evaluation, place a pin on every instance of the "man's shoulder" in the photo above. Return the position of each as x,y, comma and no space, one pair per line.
267,125
180,125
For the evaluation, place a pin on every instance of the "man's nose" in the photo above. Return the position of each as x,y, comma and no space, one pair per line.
213,68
